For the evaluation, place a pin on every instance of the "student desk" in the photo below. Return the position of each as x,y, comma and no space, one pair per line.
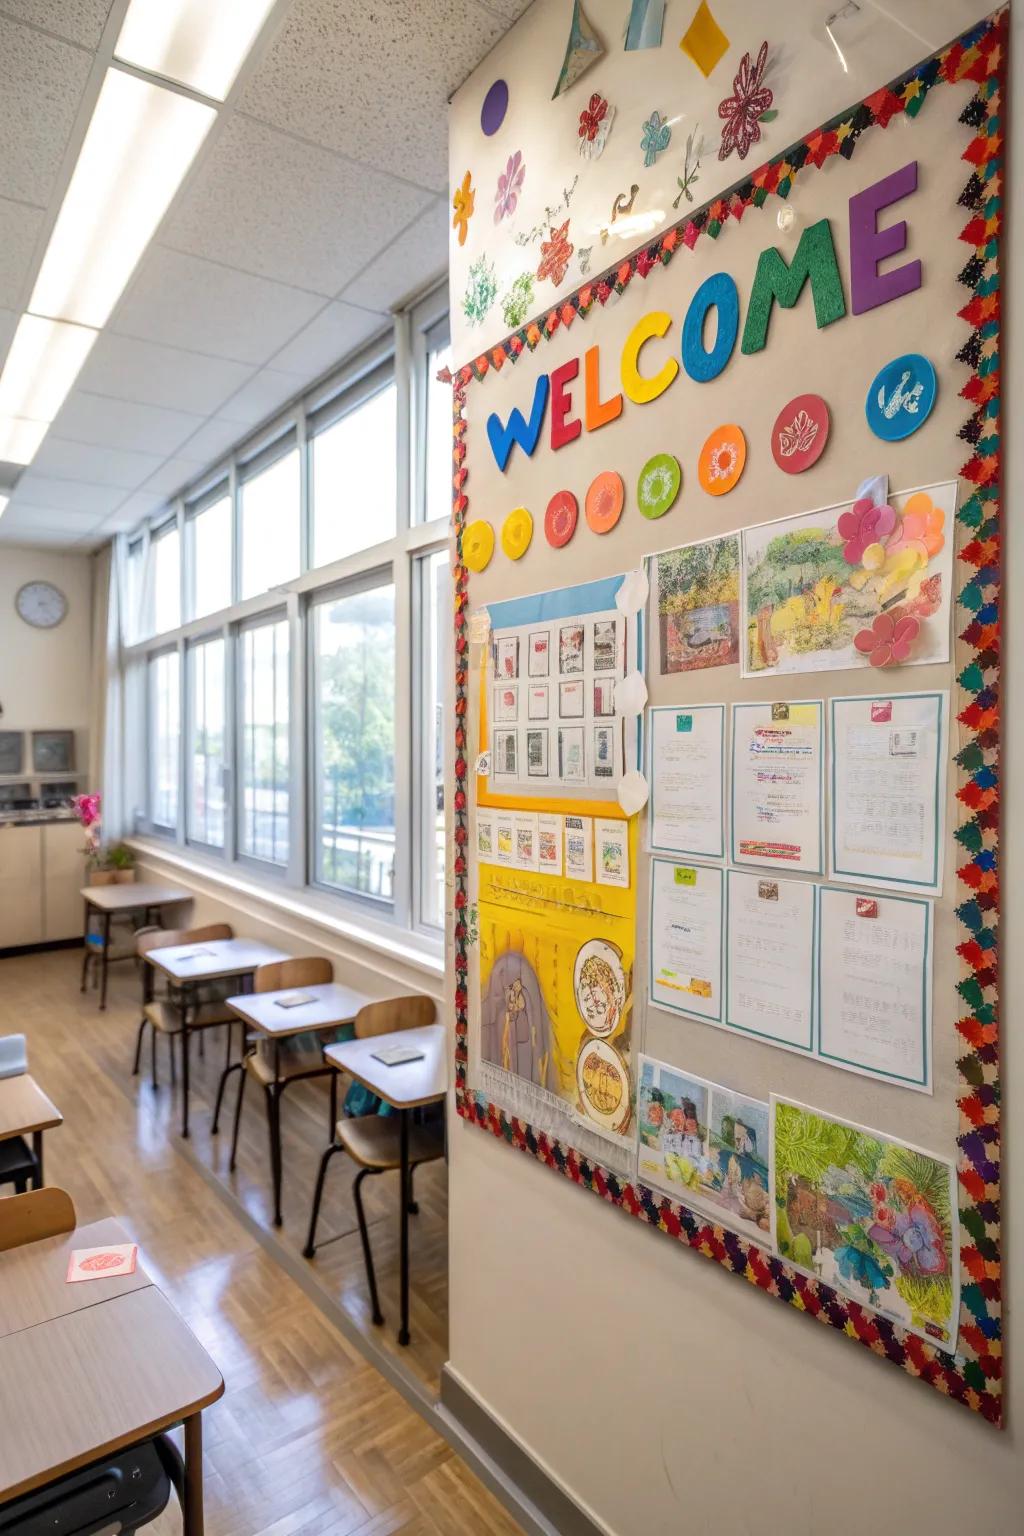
26,1111
92,1368
186,965
330,1006
110,899
409,1086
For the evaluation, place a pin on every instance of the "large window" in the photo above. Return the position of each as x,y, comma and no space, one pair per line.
439,467
434,583
166,579
164,738
354,478
264,754
206,743
354,665
209,532
270,526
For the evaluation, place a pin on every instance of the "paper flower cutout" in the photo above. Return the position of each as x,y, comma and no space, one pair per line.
595,125
742,111
463,203
516,304
888,641
481,290
655,138
865,524
510,184
923,524
555,253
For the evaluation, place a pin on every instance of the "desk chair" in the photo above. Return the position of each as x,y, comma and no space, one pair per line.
161,1009
373,1142
276,1063
41,1213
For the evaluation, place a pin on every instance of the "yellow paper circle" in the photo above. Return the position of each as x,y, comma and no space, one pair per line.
516,533
478,545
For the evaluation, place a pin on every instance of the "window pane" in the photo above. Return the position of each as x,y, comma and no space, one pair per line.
165,727
439,436
133,627
354,640
166,581
354,485
270,526
206,732
436,605
264,746
211,558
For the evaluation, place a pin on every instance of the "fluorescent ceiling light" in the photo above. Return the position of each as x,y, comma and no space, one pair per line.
199,43
43,363
139,145
3,504
19,440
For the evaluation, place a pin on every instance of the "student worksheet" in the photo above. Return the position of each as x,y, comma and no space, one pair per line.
687,778
875,985
889,789
686,938
770,958
778,769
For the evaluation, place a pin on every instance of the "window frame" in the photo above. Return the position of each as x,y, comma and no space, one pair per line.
187,788
153,658
220,491
272,868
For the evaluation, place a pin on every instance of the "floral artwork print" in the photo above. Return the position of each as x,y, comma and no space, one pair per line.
517,303
463,203
481,290
656,137
595,125
743,111
554,255
510,184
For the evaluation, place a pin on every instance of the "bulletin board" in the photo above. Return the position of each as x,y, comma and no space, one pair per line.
819,343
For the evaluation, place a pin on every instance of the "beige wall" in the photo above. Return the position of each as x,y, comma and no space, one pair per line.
46,675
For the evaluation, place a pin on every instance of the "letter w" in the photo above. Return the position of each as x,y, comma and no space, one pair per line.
518,431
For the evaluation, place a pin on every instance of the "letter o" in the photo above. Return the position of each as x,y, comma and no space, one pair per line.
715,292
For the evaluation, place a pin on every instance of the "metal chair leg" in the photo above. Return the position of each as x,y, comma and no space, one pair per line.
413,1208
152,1057
138,1045
378,1316
85,968
215,1125
170,1054
314,1215
273,1094
243,1078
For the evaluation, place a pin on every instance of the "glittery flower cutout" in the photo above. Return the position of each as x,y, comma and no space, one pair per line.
655,138
864,524
516,304
481,290
741,112
554,254
595,126
463,203
888,641
510,184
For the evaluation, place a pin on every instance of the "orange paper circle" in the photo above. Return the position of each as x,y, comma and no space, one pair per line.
722,459
516,533
603,506
478,545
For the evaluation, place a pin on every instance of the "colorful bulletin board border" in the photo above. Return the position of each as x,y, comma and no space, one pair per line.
973,1376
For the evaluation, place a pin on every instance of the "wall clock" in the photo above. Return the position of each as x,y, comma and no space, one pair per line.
41,604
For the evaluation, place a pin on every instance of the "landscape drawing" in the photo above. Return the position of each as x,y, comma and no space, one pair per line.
699,605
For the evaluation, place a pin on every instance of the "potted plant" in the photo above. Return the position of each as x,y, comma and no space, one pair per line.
106,866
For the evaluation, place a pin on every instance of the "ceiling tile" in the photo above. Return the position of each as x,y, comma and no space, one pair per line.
172,477
139,506
35,490
182,301
100,466
265,203
337,331
41,84
265,393
36,538
212,441
19,227
406,265
8,326
509,10
106,423
127,369
47,520
376,85
80,21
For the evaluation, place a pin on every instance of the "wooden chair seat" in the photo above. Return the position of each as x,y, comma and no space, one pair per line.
373,1141
292,1062
165,1017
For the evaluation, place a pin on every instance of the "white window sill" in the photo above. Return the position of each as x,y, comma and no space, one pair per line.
419,952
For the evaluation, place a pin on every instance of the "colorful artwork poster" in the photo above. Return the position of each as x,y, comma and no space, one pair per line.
698,593
705,1146
826,590
871,1216
556,998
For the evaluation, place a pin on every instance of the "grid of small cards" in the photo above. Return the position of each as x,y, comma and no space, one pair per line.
552,702
578,847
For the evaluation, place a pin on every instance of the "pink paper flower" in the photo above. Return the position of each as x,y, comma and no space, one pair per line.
888,641
740,111
510,184
87,809
864,524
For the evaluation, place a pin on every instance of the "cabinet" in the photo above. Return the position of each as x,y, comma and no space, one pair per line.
42,871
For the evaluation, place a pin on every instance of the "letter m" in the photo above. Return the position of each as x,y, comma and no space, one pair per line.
814,258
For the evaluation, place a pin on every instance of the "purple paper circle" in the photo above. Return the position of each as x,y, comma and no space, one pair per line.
492,113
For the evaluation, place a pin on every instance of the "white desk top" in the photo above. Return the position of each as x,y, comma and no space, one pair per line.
213,958
405,1086
330,1005
129,897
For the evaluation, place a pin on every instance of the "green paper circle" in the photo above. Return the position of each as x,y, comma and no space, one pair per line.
658,485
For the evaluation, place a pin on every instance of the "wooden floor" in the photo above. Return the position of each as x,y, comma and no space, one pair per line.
308,1438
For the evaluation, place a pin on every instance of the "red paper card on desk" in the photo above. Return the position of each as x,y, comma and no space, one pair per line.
102,1263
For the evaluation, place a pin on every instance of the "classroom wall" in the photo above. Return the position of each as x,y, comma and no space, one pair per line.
46,675
664,1395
